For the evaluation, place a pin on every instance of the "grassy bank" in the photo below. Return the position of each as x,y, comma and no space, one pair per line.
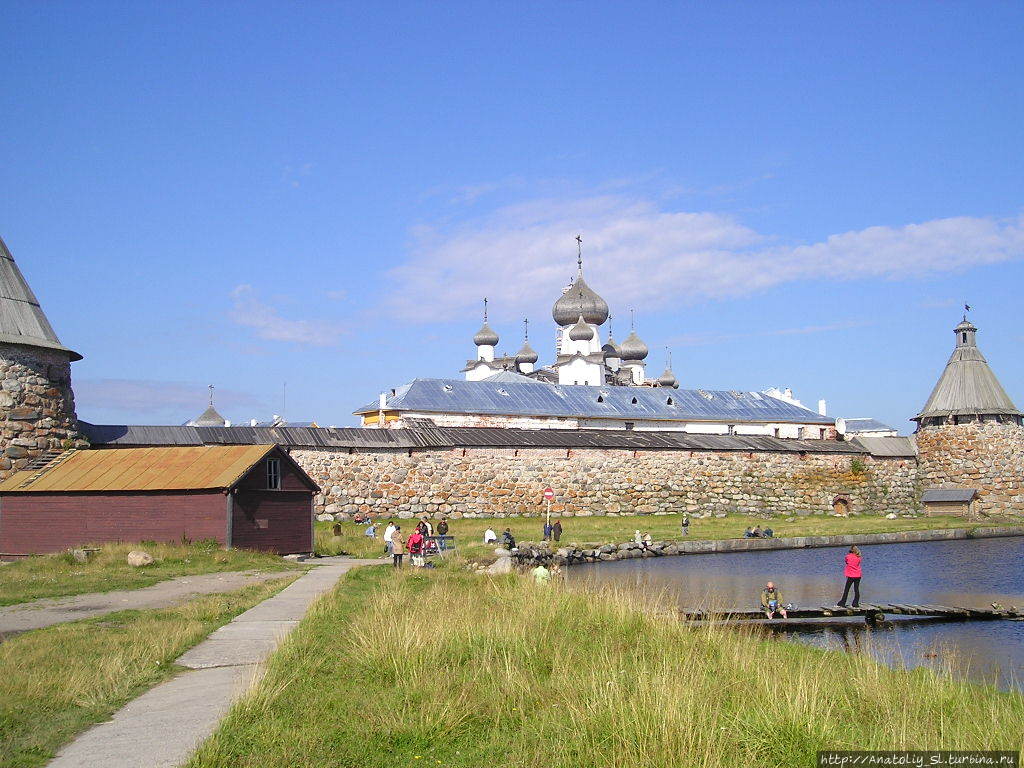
602,530
447,668
56,682
60,575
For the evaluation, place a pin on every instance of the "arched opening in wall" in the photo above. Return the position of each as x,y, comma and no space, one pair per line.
841,506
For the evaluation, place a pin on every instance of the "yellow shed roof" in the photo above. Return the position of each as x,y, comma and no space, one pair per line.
176,468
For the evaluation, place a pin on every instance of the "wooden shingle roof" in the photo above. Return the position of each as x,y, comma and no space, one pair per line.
22,320
172,468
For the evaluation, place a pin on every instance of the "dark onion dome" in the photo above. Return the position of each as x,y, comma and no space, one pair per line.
611,350
633,348
485,336
667,379
578,300
581,331
526,354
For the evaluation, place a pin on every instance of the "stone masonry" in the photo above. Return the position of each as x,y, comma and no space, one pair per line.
508,482
987,456
37,405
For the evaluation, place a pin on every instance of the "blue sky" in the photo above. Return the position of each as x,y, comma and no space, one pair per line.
247,194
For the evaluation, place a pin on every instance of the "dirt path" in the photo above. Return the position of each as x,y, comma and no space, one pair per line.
162,727
55,610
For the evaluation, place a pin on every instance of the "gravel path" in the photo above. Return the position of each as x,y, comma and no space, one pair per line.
56,610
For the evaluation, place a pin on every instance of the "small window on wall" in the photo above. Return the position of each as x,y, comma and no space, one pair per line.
630,425
274,474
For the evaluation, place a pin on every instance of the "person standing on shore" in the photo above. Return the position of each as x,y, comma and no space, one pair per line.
556,530
388,533
397,547
541,575
686,525
852,571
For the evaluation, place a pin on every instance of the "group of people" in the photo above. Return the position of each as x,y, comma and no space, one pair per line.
757,532
553,531
508,541
771,596
397,544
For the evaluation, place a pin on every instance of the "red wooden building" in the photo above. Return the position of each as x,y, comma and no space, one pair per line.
246,496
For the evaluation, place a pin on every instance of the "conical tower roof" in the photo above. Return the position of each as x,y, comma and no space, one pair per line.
208,418
22,320
967,387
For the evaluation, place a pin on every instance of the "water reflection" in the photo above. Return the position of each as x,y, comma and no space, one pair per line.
972,573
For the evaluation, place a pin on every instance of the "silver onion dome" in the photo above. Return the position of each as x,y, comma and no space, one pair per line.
579,299
526,354
485,336
581,331
633,348
611,350
667,379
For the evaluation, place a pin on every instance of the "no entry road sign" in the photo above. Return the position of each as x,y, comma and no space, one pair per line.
549,494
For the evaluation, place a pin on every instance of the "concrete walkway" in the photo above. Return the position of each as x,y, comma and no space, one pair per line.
163,727
56,610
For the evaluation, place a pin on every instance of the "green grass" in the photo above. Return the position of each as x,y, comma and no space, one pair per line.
56,682
602,530
454,669
59,575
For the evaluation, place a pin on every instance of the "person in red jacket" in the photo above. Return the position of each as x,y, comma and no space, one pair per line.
852,573
415,545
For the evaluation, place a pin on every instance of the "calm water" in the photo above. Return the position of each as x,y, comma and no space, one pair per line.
973,573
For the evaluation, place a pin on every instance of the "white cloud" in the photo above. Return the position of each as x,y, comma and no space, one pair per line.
158,400
637,254
249,311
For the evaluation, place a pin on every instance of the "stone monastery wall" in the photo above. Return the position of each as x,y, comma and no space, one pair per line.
475,482
986,456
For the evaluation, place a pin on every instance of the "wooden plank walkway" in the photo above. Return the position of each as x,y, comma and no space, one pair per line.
869,612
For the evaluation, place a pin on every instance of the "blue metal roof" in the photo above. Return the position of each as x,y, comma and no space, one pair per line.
542,399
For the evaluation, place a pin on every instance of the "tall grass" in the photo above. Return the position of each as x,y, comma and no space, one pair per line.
463,670
57,681
60,575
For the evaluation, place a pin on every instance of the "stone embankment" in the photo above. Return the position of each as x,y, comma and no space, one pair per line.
529,554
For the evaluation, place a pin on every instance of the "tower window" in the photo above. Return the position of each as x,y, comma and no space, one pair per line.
965,337
274,474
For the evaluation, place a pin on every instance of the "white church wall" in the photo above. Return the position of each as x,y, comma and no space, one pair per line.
478,373
580,371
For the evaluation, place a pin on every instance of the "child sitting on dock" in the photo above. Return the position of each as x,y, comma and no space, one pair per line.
771,601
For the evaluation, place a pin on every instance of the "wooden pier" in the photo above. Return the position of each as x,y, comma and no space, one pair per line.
872,614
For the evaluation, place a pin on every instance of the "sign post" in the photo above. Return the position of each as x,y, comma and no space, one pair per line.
548,496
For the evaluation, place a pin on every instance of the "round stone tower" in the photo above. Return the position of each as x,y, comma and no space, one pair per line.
970,434
37,406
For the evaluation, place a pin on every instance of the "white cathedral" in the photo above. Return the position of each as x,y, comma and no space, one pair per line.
589,385
580,357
